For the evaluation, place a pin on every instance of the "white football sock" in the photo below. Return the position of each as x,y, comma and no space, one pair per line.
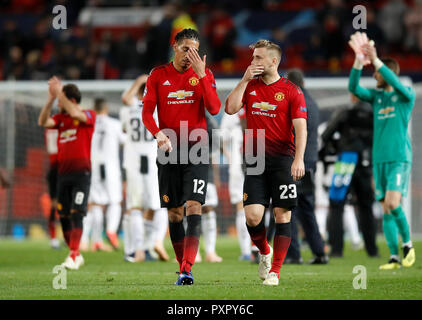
321,217
243,234
149,234
137,229
114,212
87,227
127,235
350,224
97,224
408,244
209,230
267,215
161,222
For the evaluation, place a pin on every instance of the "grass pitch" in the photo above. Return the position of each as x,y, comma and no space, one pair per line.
26,272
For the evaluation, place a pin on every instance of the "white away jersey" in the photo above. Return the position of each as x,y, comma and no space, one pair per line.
232,136
107,137
139,140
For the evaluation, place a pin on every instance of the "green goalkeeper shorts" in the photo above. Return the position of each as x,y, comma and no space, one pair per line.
391,176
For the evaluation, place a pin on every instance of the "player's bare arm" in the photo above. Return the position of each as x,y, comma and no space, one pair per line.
128,95
234,100
44,120
298,165
70,107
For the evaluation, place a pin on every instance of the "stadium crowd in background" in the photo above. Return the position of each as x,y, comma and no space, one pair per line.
309,33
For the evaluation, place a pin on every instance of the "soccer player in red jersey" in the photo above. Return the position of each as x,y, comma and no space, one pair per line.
75,127
182,90
277,105
51,139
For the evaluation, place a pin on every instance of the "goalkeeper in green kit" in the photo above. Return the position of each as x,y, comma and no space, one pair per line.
392,103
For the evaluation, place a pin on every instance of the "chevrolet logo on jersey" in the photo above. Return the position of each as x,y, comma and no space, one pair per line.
386,110
68,133
181,94
264,106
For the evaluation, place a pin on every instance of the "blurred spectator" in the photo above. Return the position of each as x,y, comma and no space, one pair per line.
316,38
221,34
14,64
413,22
390,20
9,37
158,37
332,18
33,66
125,56
373,31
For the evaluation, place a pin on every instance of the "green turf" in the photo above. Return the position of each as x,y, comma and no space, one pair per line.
26,272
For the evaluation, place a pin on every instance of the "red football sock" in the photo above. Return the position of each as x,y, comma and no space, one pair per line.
190,251
52,229
282,241
193,232
178,250
259,237
75,239
66,235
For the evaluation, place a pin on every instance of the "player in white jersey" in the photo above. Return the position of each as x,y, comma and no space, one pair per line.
209,217
106,184
233,139
145,224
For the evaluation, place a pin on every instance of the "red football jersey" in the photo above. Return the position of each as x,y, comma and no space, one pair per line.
179,97
51,144
74,142
273,107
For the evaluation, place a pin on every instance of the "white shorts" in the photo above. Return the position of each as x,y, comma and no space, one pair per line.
105,191
211,198
142,189
236,179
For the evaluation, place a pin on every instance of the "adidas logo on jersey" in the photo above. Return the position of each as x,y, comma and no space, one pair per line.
253,93
166,83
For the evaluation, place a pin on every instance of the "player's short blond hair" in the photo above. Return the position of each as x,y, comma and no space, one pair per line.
269,45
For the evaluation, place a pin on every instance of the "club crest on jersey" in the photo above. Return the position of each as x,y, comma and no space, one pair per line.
264,106
75,122
166,198
279,96
193,81
181,94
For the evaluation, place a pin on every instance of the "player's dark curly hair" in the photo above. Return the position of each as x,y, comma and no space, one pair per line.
71,91
187,34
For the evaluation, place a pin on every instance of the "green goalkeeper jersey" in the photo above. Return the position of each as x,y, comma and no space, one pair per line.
392,111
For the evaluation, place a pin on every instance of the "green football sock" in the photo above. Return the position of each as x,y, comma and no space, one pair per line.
402,224
391,233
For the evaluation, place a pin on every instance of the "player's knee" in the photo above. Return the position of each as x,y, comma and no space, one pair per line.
282,215
193,207
175,215
252,220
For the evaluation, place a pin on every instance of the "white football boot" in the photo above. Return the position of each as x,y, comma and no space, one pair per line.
265,264
271,280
